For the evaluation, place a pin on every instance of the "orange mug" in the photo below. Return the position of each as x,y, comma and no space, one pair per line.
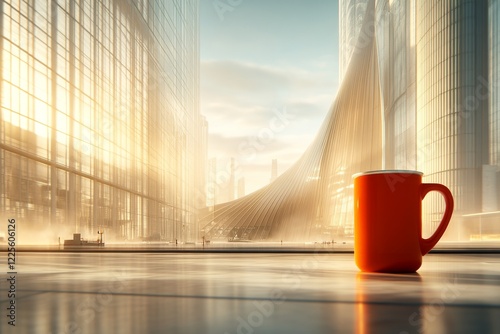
388,220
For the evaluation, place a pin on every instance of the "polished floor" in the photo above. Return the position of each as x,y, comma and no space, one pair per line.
249,293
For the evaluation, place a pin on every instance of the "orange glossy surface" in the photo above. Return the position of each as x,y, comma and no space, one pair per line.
388,221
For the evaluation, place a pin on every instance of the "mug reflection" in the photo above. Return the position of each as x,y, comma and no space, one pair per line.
388,303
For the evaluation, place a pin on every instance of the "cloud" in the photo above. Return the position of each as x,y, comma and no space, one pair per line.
258,113
241,92
239,82
237,76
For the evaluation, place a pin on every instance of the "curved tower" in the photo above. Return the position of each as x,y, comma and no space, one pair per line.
313,198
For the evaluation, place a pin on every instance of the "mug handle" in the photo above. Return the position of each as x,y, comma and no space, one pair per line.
427,244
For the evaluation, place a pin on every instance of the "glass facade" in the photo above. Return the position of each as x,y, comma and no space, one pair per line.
438,69
494,80
452,115
100,125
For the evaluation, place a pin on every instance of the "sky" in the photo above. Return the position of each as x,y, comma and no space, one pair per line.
269,73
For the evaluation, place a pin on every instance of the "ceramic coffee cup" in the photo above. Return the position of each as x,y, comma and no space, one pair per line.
388,220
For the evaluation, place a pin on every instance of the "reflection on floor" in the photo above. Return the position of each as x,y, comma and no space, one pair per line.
250,293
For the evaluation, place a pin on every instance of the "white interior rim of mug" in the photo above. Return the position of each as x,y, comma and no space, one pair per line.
387,171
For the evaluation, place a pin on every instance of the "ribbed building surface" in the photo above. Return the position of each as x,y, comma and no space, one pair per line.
100,127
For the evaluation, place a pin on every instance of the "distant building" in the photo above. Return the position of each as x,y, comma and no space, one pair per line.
231,187
211,190
241,187
274,170
222,185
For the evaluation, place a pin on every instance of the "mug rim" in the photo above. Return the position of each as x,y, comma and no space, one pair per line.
387,171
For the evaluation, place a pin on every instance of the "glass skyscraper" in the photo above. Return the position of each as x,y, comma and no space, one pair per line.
452,120
100,126
439,82
494,80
